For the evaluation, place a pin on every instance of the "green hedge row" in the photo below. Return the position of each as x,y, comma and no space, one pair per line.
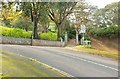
15,32
49,36
19,33
104,32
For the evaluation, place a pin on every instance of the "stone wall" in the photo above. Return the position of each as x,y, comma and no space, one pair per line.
25,41
46,43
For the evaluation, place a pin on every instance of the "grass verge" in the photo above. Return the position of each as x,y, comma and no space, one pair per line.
94,51
14,65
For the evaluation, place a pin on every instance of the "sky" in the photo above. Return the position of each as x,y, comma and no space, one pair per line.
101,3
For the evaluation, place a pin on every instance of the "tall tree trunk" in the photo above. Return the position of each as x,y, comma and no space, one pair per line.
35,35
35,20
58,33
77,40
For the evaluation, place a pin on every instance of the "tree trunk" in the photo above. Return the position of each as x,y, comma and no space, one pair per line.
77,40
58,33
26,29
35,34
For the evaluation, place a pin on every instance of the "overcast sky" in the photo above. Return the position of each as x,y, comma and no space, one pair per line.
101,3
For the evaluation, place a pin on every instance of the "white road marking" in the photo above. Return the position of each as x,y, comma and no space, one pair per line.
89,61
99,64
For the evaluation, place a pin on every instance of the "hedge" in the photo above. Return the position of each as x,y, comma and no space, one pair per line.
15,32
19,33
104,32
48,36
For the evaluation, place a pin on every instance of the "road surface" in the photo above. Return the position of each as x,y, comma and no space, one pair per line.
72,62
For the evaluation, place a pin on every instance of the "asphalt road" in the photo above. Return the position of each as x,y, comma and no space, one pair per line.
72,62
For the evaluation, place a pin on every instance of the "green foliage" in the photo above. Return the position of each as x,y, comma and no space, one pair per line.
15,32
22,23
8,13
48,36
104,32
107,15
86,38
7,23
19,33
27,34
58,12
71,33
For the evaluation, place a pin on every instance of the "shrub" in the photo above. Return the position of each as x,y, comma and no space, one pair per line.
18,33
48,36
27,34
71,33
104,32
4,31
15,32
22,23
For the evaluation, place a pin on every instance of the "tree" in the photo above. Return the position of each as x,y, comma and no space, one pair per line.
65,26
33,10
81,12
106,16
22,23
8,13
59,11
111,13
44,19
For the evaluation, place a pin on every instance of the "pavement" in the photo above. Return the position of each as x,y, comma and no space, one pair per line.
72,62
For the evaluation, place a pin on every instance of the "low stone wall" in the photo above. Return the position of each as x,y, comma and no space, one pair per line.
11,40
46,43
25,41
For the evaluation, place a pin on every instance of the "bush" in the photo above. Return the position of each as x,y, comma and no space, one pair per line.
5,31
18,33
71,33
22,23
104,32
15,32
48,36
27,34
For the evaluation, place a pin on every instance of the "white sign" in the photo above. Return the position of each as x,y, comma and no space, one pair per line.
83,29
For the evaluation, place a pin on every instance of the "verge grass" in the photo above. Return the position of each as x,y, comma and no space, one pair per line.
87,49
14,65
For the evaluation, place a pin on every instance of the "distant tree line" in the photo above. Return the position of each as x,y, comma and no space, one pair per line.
67,16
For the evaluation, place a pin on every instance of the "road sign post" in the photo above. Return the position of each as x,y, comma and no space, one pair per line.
83,30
